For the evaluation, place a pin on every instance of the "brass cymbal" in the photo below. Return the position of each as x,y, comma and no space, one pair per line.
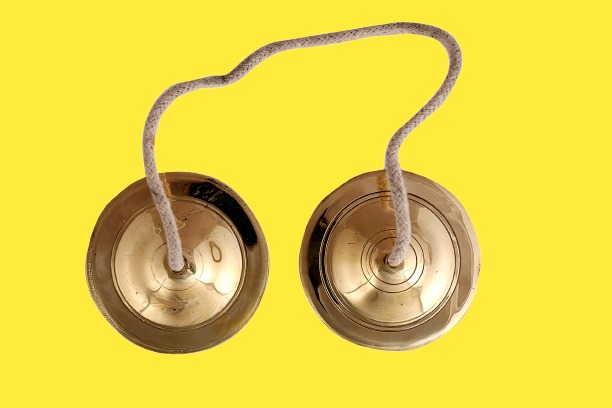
358,295
211,299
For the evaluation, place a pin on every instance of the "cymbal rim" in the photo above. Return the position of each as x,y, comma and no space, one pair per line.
331,307
156,337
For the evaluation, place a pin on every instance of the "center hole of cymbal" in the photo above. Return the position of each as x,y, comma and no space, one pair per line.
387,267
187,271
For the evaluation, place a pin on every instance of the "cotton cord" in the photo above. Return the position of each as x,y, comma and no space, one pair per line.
392,164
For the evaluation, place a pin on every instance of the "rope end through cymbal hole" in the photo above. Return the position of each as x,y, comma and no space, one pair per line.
386,265
187,271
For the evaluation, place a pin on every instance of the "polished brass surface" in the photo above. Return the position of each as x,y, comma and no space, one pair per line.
215,294
213,276
358,295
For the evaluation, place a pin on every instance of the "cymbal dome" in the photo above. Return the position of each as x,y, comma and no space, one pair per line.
355,263
211,246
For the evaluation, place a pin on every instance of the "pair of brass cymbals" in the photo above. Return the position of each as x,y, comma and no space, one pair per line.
343,264
179,264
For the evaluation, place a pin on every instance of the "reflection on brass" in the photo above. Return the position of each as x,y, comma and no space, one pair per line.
211,299
358,295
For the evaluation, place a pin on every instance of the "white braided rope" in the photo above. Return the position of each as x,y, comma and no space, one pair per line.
392,164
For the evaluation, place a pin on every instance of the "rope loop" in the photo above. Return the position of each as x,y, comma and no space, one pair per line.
392,164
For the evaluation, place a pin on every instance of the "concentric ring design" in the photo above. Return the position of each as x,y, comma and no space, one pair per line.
358,295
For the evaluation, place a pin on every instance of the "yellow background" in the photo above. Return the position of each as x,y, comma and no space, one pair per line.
523,142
